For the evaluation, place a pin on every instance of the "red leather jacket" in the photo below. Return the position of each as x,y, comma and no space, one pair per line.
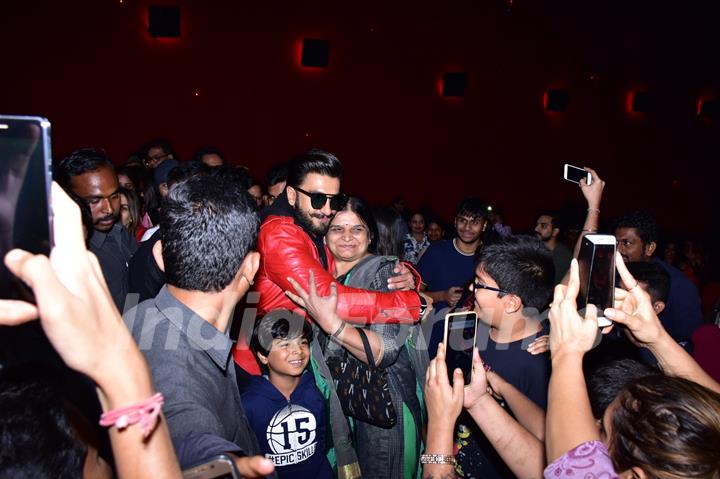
287,251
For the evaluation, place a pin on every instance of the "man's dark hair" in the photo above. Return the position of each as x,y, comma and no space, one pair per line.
207,150
313,161
234,174
276,174
278,324
654,275
36,438
78,162
472,208
643,222
523,266
187,170
157,143
209,225
607,380
556,219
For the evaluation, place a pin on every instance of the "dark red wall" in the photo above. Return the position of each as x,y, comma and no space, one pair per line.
91,67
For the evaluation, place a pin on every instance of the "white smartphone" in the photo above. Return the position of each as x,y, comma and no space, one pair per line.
459,340
575,174
218,467
596,265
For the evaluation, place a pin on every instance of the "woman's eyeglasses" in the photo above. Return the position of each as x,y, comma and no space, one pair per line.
318,200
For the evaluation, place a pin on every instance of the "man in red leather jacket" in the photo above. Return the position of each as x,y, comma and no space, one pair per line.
291,245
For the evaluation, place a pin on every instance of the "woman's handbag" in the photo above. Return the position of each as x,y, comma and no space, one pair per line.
362,388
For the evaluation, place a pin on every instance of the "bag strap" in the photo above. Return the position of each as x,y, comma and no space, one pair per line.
346,458
366,344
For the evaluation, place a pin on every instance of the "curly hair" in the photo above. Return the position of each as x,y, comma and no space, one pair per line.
643,222
667,426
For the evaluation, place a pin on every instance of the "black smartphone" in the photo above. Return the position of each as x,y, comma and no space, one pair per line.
25,178
221,466
596,265
459,340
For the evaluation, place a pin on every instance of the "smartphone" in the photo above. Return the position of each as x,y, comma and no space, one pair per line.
575,174
221,466
596,263
459,340
25,178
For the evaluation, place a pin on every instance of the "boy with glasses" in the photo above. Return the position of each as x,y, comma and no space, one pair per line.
513,284
155,152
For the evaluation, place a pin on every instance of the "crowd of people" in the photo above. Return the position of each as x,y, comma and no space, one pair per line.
188,310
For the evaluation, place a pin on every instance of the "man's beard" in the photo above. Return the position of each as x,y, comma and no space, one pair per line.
113,218
306,220
542,238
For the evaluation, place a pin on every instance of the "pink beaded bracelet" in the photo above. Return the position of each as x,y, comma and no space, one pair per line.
145,413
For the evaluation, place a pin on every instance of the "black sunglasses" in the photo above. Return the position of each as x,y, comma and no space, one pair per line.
318,200
478,285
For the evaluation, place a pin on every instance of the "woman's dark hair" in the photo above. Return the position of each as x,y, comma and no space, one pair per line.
152,204
389,232
667,426
139,176
421,215
133,208
358,206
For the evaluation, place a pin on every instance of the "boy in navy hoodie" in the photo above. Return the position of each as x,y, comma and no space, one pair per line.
284,407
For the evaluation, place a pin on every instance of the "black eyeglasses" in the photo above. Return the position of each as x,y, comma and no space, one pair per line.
318,200
478,285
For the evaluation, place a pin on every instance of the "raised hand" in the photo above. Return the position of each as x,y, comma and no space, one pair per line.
478,386
322,309
593,191
570,332
634,309
444,402
73,302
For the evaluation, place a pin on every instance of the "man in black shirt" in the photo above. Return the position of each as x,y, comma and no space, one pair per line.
89,174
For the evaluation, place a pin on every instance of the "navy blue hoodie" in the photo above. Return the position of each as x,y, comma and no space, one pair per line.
290,433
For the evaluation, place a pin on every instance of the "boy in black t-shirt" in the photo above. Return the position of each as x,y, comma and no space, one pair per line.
513,283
